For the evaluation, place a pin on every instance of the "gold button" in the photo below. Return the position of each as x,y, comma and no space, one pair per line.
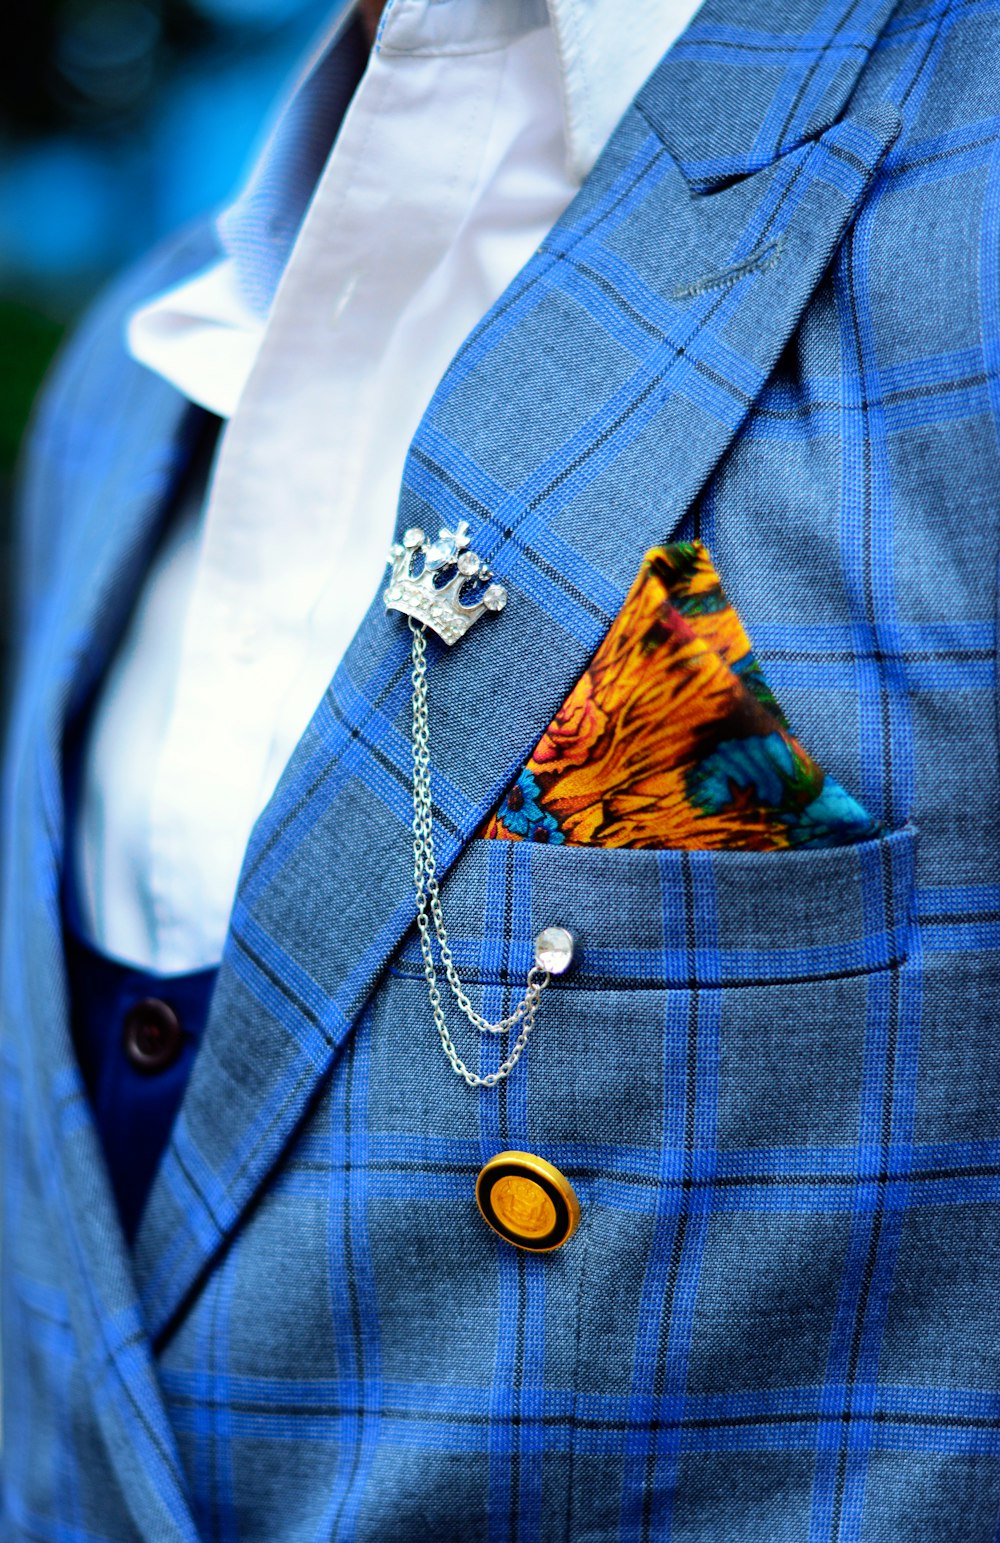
527,1201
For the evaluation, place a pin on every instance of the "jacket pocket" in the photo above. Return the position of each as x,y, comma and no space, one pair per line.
663,919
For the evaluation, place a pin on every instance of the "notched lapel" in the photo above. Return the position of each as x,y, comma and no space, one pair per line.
747,83
573,430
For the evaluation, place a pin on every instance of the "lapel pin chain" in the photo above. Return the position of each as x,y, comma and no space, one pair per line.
427,584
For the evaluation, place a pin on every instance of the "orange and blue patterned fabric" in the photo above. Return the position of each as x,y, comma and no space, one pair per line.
673,738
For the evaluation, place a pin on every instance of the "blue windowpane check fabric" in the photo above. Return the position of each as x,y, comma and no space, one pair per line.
771,322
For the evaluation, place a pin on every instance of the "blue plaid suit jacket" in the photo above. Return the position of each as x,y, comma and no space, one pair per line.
771,319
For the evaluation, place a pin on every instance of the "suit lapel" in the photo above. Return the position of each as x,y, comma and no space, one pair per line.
125,460
746,83
573,430
108,455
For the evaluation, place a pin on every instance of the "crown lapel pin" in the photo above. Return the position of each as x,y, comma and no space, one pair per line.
444,586
440,583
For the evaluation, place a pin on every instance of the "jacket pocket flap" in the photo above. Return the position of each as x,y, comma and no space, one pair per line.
649,919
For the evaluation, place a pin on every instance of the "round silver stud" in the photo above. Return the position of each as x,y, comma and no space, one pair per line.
468,565
554,950
495,598
413,538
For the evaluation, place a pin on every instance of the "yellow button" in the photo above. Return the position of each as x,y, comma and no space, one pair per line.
527,1201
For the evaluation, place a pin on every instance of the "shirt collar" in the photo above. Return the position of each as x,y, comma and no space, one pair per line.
602,65
603,58
606,51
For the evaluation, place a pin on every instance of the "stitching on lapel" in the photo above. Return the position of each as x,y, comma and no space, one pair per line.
757,262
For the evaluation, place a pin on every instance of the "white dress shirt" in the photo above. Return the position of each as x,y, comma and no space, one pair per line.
465,140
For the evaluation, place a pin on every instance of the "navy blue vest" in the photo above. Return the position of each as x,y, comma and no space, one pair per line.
135,1069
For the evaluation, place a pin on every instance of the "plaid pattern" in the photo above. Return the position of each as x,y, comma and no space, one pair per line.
771,1077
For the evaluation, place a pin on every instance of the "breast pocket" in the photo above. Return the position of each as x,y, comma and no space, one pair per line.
718,1010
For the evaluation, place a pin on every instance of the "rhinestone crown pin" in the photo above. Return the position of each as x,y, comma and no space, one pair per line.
433,594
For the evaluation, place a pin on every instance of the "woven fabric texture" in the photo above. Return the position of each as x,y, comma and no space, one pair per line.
769,322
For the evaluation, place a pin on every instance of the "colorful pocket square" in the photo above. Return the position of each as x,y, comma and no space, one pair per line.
672,737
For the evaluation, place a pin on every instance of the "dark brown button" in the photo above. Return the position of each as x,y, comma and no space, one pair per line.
153,1036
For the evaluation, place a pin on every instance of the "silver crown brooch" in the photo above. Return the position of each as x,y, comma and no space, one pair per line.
446,571
443,586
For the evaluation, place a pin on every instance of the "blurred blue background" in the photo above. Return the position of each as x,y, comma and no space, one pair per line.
119,121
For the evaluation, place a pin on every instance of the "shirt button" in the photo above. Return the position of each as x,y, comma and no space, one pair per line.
153,1036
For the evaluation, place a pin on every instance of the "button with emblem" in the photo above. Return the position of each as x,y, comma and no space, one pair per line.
153,1036
527,1201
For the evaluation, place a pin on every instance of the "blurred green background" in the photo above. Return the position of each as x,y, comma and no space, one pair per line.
119,121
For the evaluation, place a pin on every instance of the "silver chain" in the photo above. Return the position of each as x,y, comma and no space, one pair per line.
429,904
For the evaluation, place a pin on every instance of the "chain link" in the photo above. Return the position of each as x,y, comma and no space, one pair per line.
429,914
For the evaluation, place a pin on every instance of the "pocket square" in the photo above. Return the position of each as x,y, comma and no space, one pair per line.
672,737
